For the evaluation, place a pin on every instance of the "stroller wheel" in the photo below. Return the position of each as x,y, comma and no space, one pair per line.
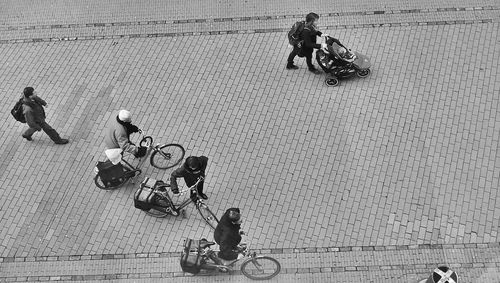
331,81
363,73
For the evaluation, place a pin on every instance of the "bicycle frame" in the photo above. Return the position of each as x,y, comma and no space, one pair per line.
186,202
208,253
146,141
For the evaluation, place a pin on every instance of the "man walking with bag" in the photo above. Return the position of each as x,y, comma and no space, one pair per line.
35,117
308,43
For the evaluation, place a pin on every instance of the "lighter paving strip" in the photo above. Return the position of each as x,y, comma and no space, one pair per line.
291,263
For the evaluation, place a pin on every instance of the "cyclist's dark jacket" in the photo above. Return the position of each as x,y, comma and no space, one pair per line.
188,176
227,235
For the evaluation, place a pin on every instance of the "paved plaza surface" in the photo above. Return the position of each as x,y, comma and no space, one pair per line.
380,179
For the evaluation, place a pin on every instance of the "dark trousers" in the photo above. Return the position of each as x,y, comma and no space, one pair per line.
227,253
46,128
295,52
199,188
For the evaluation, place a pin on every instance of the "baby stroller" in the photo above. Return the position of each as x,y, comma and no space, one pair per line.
338,62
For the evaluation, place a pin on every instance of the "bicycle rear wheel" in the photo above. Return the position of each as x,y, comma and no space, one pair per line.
167,156
159,212
207,215
260,268
119,183
156,213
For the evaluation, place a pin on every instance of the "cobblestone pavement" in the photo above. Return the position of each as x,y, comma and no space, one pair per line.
379,180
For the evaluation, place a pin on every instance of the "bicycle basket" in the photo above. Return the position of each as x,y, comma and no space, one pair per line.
143,197
111,175
191,260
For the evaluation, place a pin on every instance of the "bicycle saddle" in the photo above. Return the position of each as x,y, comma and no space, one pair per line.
204,243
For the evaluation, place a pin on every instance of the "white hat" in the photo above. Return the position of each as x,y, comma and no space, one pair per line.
125,116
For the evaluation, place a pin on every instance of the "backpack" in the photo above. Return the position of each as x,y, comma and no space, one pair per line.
191,260
17,111
294,34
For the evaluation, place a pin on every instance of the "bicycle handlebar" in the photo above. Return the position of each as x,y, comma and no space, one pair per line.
193,187
146,141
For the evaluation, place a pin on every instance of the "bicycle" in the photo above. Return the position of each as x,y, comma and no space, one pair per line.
253,266
111,176
162,205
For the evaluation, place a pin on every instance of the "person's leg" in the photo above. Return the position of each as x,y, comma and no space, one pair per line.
28,133
200,191
54,136
227,253
295,52
309,61
199,188
310,64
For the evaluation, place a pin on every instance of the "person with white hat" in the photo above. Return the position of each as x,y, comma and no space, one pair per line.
118,134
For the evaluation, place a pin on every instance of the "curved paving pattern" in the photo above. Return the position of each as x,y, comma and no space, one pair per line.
377,180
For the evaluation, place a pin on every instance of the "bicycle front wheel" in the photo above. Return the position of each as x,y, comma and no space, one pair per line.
167,156
207,215
260,268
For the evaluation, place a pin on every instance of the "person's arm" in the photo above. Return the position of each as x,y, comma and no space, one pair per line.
134,128
39,100
178,173
125,143
308,43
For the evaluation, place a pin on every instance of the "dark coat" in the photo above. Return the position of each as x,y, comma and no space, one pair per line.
227,235
309,35
33,111
188,176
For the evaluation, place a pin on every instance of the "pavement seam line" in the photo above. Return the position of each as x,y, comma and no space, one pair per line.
415,268
96,31
259,18
225,32
258,251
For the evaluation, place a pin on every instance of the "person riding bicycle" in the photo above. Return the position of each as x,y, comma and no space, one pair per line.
193,168
118,134
228,235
